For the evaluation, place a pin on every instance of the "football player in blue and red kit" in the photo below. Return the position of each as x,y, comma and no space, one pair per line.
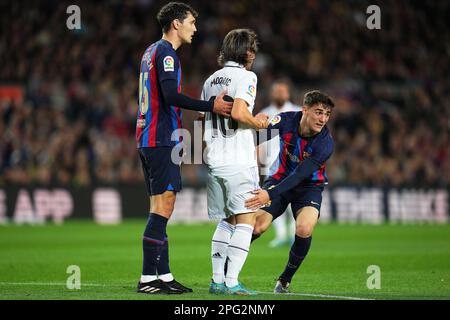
159,117
298,177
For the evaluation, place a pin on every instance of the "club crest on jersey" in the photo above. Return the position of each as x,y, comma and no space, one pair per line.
169,64
307,152
293,157
275,120
251,90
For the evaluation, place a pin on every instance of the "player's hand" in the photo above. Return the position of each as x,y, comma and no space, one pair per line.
221,106
260,199
263,120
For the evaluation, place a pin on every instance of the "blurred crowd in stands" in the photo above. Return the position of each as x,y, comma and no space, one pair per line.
76,121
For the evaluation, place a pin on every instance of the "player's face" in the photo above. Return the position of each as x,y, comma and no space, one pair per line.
317,117
187,29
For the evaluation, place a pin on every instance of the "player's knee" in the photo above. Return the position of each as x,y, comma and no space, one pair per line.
163,208
258,231
168,202
260,228
163,204
304,230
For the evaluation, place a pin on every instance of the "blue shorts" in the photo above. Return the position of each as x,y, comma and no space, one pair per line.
298,198
160,173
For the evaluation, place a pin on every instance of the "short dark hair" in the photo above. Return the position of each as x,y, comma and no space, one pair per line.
236,44
173,11
316,97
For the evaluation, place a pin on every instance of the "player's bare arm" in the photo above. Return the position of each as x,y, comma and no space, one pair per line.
241,114
262,116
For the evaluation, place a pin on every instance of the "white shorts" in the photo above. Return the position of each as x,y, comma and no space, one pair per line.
227,195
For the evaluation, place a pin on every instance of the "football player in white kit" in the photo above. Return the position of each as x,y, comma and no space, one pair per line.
231,158
268,154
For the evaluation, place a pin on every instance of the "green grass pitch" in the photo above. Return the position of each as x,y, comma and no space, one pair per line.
414,262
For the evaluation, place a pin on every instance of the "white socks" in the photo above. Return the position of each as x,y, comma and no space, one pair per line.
237,252
166,277
219,245
163,277
148,278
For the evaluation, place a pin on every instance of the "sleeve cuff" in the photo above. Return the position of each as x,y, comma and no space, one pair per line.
211,106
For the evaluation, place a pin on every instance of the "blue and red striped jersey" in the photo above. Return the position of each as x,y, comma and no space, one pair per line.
156,121
295,148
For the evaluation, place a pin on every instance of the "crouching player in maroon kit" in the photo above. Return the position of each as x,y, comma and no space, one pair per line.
298,177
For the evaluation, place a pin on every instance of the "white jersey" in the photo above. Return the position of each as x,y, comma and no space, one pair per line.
230,146
268,151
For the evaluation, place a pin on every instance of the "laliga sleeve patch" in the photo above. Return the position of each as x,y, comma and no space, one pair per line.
169,64
251,90
275,120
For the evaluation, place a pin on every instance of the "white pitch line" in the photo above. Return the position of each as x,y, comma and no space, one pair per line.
316,295
49,284
319,295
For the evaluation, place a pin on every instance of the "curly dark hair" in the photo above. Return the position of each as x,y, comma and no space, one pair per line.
316,97
173,11
236,44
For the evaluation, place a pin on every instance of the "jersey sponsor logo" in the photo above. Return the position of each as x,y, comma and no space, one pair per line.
221,80
169,64
251,90
312,202
275,120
